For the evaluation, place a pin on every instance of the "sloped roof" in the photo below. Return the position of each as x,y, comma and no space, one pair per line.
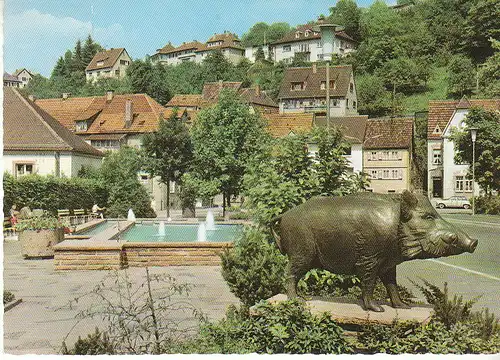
108,116
166,49
180,100
280,125
388,133
257,97
108,57
27,127
340,74
441,112
228,39
66,111
193,45
352,127
299,34
9,77
211,90
18,71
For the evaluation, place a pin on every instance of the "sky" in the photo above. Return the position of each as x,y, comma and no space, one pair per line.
38,32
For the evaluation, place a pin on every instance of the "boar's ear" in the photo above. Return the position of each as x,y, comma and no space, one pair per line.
408,202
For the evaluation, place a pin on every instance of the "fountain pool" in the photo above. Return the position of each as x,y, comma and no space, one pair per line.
167,232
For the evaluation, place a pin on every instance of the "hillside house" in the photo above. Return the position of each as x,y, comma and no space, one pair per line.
303,89
387,154
111,63
195,51
445,177
11,81
24,75
36,143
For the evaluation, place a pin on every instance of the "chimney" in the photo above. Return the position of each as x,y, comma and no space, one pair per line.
315,68
129,113
257,90
109,95
32,97
66,95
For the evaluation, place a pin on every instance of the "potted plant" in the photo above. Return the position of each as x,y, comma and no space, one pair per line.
38,235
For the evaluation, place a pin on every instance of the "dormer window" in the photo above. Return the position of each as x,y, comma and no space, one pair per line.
297,34
100,63
323,85
437,130
307,33
298,86
81,125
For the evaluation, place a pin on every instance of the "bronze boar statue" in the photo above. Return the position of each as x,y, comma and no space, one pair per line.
365,235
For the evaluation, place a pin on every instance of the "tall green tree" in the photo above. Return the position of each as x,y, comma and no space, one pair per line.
461,76
225,137
347,14
59,68
482,24
89,49
77,63
259,54
262,33
373,98
216,66
168,151
487,161
489,73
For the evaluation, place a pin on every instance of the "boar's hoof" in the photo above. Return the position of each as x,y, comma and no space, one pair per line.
374,307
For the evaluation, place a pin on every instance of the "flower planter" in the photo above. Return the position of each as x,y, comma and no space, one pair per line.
39,243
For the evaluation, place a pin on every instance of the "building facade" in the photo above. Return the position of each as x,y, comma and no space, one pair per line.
24,75
11,81
445,177
195,51
36,143
111,63
387,154
304,90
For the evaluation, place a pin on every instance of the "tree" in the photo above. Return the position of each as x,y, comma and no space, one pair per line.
487,162
404,74
347,14
481,25
146,78
77,63
262,33
259,54
59,68
225,137
168,151
216,66
489,73
90,48
373,98
461,76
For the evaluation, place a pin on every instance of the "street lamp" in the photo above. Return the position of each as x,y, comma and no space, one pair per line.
473,134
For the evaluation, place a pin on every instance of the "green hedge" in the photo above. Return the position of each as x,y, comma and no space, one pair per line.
51,193
488,205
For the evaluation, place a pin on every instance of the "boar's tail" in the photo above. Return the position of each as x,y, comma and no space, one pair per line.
272,226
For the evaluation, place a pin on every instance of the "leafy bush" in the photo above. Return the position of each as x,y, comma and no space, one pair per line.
286,327
239,216
254,268
97,343
487,205
8,297
40,223
52,193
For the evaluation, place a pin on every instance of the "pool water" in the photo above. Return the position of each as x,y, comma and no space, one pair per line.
180,233
98,228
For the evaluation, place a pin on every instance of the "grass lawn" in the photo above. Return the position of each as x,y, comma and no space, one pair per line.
436,90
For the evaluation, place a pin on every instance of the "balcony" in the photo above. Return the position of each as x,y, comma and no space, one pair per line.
314,108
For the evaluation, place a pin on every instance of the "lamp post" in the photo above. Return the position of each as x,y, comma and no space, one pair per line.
473,134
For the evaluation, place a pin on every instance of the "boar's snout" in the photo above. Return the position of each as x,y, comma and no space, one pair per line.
472,246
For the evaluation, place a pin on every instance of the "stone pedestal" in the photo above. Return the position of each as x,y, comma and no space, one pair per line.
40,243
349,313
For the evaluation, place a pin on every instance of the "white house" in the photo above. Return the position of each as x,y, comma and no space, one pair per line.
24,75
111,63
35,143
445,177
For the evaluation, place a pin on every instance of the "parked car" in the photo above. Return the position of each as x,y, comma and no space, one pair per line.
454,202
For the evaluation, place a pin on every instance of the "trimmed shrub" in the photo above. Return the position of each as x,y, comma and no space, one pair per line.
51,193
487,205
97,343
8,297
285,327
254,269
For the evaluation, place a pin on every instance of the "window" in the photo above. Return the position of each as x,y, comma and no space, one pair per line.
23,78
385,174
298,86
334,103
437,157
323,85
24,169
372,156
373,174
351,87
117,72
391,191
318,45
99,63
81,126
124,62
463,184
297,34
354,104
98,73
307,33
107,144
287,48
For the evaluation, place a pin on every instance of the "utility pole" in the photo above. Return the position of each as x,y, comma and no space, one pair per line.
328,95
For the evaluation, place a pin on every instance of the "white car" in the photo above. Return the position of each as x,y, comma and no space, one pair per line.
454,202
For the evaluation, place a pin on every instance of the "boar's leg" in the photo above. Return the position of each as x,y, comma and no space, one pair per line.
389,280
368,272
296,269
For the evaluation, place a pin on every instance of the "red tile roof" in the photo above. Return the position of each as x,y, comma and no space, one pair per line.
441,112
299,34
341,75
393,133
280,125
186,101
255,96
211,90
352,127
228,40
28,128
193,45
108,58
106,116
